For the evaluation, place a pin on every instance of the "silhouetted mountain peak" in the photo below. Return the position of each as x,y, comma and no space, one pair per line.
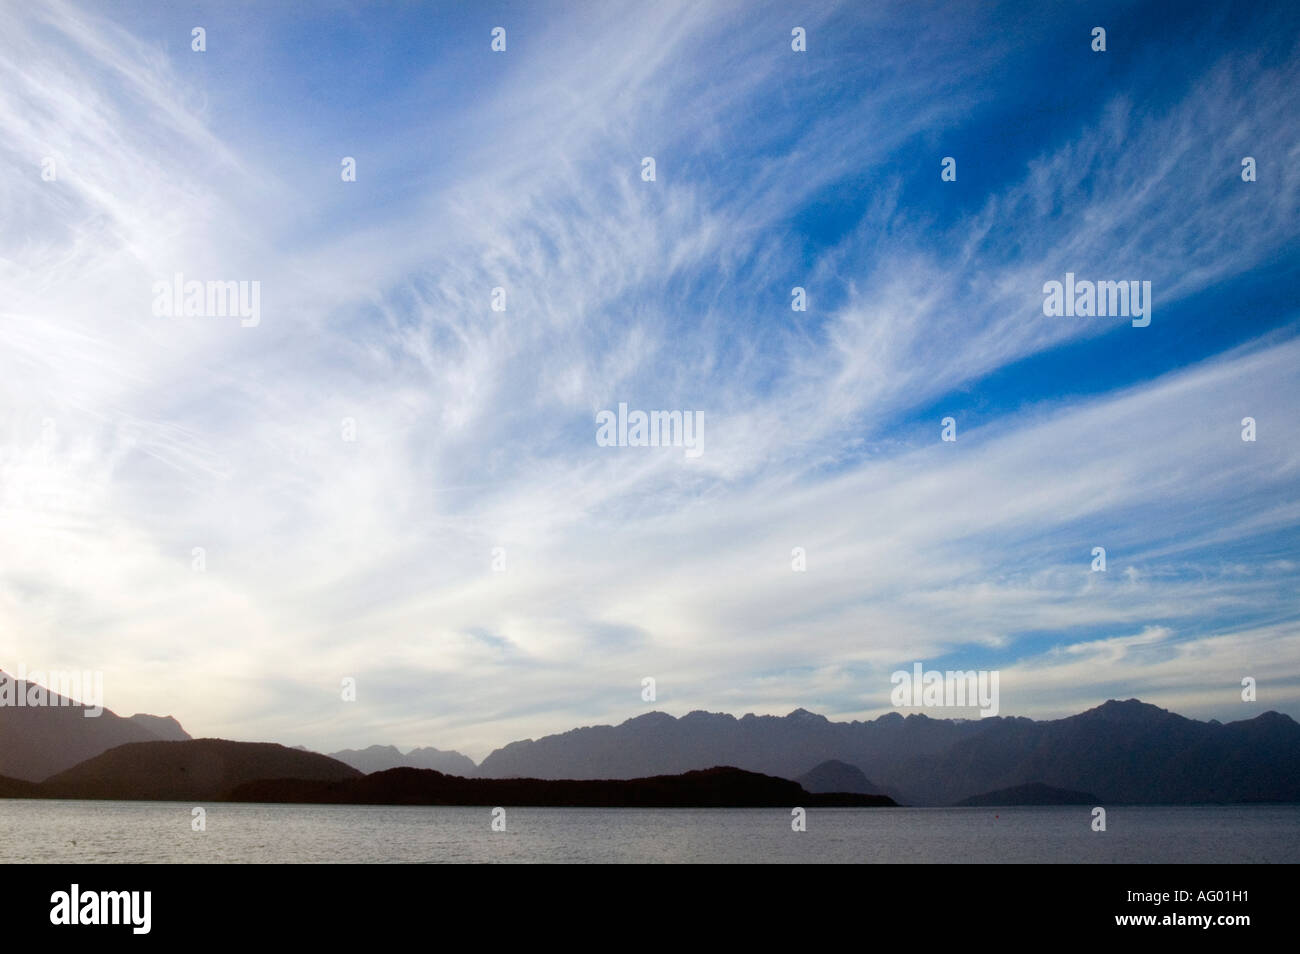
1130,710
1274,718
803,715
696,716
165,727
649,719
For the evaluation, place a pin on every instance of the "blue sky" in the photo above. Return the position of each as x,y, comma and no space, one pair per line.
126,440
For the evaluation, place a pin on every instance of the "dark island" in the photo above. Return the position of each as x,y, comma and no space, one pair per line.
720,787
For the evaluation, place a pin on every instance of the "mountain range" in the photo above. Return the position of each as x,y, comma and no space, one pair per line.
1119,752
1123,752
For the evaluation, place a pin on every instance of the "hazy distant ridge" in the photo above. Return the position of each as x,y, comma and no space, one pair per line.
1120,751
36,742
379,758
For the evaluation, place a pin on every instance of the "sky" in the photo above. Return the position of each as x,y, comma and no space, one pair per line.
392,482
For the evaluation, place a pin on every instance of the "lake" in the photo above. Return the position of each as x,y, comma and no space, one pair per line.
131,832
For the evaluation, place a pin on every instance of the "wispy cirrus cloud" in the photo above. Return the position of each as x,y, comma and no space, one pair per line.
129,440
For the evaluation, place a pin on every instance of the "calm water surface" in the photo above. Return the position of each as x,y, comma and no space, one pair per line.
81,832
